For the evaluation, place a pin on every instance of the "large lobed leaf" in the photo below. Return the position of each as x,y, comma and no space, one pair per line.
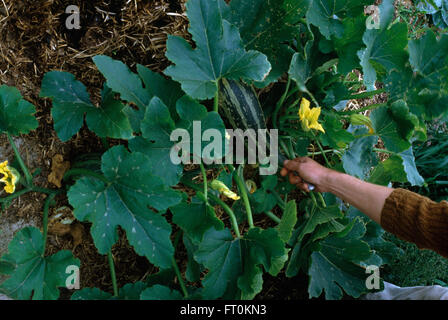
385,47
124,201
33,275
335,266
71,102
234,265
219,52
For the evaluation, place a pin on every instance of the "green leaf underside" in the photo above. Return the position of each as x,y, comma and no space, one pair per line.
390,170
288,221
359,158
395,125
35,276
124,202
219,52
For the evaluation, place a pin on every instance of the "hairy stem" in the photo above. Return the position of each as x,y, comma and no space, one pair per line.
26,172
321,150
176,267
204,176
242,188
216,101
279,104
273,217
110,258
321,198
45,220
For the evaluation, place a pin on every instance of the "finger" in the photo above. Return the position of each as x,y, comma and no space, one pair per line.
293,179
303,186
284,172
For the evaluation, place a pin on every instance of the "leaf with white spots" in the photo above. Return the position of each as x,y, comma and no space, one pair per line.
71,102
125,201
35,276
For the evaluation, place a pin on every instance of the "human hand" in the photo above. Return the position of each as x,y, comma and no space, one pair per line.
308,171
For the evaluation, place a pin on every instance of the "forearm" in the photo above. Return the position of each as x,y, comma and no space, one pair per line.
366,197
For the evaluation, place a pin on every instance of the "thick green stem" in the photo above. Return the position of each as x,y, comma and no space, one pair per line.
279,105
310,154
281,202
204,176
313,197
285,148
292,153
226,208
312,98
85,172
26,172
321,150
45,220
321,198
176,267
216,101
16,195
242,188
110,258
273,217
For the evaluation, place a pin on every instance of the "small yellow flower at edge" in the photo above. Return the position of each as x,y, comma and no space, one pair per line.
10,177
309,117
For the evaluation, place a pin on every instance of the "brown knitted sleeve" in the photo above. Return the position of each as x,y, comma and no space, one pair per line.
417,219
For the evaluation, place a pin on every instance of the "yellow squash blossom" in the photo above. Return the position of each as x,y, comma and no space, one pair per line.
10,177
223,189
309,117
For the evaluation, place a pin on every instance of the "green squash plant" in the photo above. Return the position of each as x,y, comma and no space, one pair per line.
320,46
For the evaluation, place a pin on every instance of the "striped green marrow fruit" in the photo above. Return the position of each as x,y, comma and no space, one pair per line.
239,103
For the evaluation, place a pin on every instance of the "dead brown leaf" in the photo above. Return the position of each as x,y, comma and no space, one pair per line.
58,169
